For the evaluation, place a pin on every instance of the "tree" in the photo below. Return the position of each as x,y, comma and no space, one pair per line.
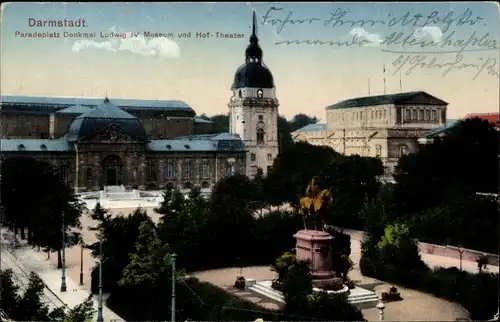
29,306
399,249
296,287
30,303
62,211
82,312
354,180
24,178
231,219
182,227
300,120
149,272
9,297
118,235
49,198
466,157
293,169
284,134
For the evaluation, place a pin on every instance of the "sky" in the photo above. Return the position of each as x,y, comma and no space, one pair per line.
319,53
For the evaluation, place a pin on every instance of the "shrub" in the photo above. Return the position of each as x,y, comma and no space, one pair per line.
392,295
198,301
240,282
478,293
303,303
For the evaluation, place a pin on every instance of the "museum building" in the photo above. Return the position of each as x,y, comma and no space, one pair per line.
147,144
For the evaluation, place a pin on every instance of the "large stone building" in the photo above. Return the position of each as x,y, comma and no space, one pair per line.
143,143
385,126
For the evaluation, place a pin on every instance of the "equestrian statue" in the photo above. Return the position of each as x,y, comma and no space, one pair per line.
313,206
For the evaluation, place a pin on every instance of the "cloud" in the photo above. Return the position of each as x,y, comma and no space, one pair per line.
372,38
161,46
431,32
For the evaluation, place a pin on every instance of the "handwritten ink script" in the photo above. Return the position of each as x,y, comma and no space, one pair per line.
407,44
339,18
409,63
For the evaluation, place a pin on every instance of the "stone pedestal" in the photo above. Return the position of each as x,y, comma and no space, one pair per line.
314,246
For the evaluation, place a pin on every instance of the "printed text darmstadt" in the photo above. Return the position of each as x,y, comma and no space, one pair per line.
58,23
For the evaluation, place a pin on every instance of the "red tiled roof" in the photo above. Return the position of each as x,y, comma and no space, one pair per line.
493,118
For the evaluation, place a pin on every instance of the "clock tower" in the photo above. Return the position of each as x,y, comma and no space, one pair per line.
253,109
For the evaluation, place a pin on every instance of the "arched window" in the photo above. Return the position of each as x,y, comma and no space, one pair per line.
403,150
260,93
260,136
239,93
230,169
378,150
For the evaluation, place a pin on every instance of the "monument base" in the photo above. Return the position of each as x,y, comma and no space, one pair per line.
333,283
314,246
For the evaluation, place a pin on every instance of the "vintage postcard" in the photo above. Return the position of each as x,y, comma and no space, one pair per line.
129,101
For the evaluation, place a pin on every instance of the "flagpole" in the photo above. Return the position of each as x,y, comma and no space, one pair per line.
369,90
385,84
400,83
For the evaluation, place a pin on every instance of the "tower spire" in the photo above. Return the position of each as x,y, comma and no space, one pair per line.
254,53
106,99
253,37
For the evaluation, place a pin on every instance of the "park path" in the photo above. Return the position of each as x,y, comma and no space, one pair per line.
431,260
28,260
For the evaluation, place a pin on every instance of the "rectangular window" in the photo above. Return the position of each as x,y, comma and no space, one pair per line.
64,172
269,157
253,157
407,115
204,169
151,170
427,115
187,168
170,169
261,117
88,174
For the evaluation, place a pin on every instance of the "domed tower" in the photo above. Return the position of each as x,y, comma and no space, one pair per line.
253,108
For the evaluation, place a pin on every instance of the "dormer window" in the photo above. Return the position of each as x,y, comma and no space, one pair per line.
187,146
169,146
43,147
260,93
21,147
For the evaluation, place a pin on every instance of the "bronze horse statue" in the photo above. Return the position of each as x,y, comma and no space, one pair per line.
314,203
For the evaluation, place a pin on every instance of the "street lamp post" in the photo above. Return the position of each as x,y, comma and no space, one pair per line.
81,262
173,258
63,276
99,307
460,251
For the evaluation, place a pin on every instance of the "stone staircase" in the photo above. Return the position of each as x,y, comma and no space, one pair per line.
358,296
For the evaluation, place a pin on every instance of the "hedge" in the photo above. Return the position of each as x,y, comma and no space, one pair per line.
199,301
477,293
